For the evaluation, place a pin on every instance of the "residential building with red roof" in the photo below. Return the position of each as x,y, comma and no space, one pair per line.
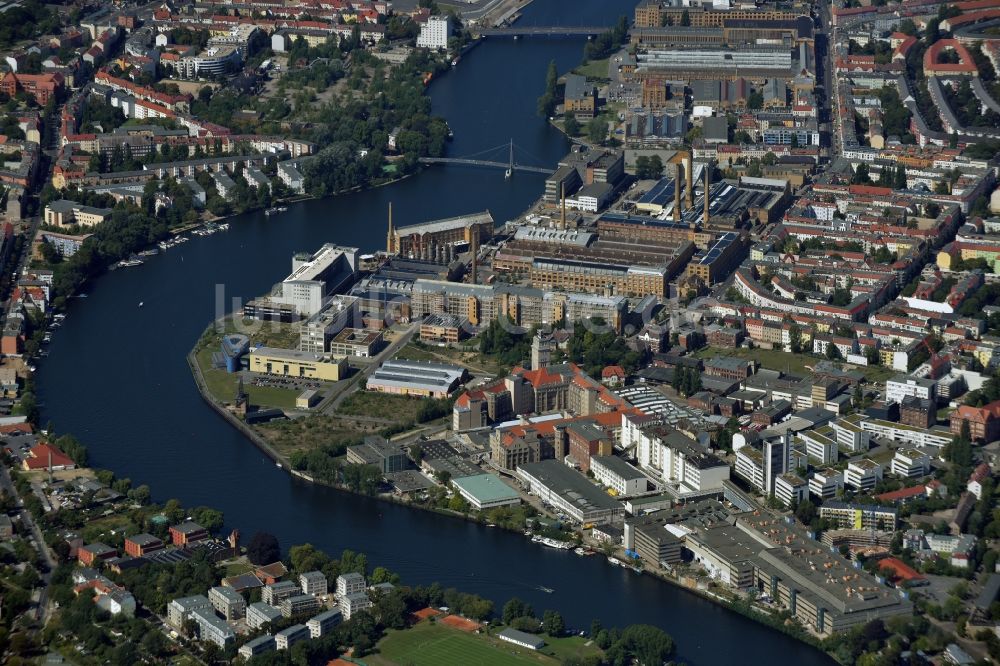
984,422
976,479
613,375
966,65
554,388
903,495
46,456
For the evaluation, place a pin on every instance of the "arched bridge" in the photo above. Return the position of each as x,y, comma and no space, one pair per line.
492,157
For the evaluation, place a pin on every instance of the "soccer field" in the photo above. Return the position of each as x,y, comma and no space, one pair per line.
432,645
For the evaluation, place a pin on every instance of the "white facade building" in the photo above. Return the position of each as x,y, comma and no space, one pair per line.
618,475
820,448
863,474
910,463
672,457
824,483
435,32
790,489
900,387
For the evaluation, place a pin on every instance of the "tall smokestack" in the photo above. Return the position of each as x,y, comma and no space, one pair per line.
708,186
390,240
475,252
562,196
689,181
677,192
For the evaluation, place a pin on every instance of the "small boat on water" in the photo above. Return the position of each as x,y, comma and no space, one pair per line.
131,261
140,304
552,543
151,252
278,465
546,590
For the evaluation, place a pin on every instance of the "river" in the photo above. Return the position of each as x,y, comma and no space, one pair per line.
117,378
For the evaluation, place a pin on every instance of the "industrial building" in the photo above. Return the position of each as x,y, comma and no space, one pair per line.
299,364
485,491
522,306
447,328
316,332
315,277
437,240
758,63
380,453
607,265
357,342
617,475
417,378
569,491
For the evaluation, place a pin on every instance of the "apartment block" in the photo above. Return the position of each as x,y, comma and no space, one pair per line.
863,474
909,463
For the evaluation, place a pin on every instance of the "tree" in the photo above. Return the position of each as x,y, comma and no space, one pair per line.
833,352
140,495
515,608
553,624
571,124
307,557
861,175
795,338
209,518
806,512
597,130
263,549
547,102
646,643
686,19
648,167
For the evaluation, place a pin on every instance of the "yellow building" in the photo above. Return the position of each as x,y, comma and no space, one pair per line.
64,213
294,363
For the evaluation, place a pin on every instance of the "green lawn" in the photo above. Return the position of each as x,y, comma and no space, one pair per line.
272,396
595,69
222,385
398,408
237,568
311,432
431,644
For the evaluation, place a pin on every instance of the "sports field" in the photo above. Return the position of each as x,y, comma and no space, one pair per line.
433,644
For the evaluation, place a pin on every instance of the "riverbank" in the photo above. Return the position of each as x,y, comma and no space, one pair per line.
689,584
157,428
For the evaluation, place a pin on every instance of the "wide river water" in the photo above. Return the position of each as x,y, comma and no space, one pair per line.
117,377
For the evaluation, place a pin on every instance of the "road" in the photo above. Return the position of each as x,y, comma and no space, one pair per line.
332,403
43,612
826,41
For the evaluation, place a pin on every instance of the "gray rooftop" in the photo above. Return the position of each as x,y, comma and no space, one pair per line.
570,484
